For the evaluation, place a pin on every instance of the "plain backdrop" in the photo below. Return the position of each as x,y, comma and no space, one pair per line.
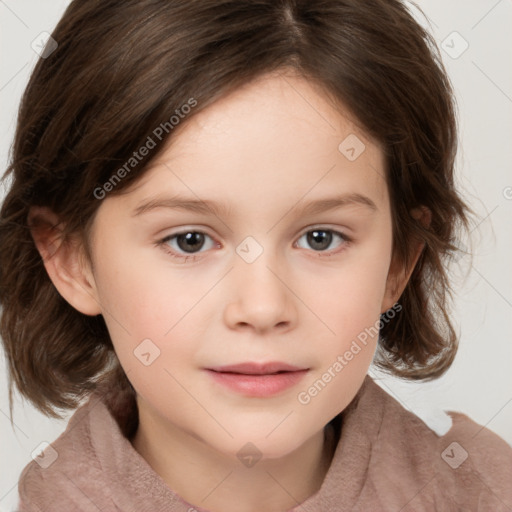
476,43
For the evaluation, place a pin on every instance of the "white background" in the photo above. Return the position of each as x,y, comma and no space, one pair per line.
480,381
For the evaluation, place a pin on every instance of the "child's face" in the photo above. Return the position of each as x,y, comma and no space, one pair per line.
260,290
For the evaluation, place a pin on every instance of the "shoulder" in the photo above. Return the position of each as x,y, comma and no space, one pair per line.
93,466
468,468
63,470
477,464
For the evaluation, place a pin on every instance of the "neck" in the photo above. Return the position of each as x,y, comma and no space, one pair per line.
210,480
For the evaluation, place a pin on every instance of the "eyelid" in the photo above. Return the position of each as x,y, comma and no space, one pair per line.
326,227
175,234
312,227
347,240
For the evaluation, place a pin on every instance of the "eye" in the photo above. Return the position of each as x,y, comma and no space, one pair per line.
184,245
320,239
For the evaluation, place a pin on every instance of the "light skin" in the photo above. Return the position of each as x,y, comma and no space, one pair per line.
266,151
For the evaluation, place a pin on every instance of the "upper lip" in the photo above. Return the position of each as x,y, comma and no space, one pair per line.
251,368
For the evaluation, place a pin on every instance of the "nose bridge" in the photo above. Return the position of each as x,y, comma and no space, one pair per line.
256,264
260,296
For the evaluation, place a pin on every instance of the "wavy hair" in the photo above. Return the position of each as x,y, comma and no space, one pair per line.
123,68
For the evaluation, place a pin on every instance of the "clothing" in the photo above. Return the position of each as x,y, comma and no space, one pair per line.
386,459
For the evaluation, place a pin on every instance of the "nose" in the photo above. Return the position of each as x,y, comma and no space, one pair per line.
260,297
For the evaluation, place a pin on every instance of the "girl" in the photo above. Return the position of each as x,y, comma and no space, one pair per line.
307,149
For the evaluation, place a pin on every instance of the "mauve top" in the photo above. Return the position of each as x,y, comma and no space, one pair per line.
386,459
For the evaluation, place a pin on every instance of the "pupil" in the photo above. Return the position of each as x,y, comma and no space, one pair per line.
315,239
318,239
191,240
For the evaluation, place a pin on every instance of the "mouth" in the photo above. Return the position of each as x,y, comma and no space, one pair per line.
251,368
258,379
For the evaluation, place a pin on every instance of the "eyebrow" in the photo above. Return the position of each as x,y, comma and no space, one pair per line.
221,209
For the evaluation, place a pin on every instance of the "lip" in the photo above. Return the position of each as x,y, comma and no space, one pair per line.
252,368
258,379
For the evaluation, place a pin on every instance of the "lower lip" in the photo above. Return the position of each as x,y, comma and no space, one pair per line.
258,385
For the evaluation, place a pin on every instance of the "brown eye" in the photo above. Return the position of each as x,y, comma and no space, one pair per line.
190,241
185,245
321,239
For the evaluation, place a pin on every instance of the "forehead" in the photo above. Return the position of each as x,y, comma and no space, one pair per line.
283,105
278,138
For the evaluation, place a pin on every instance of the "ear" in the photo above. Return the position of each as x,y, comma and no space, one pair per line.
64,261
398,275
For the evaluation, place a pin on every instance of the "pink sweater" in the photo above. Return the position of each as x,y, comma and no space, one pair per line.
386,459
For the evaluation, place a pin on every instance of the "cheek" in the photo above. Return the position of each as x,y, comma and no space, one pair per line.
348,299
140,297
145,311
175,308
351,309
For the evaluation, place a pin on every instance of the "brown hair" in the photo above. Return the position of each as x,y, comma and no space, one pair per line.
121,69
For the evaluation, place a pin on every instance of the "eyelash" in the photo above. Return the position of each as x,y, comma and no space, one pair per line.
163,243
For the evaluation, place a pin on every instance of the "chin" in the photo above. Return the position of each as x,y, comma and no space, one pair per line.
267,447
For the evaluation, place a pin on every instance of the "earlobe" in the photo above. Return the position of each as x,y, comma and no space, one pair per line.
398,275
64,261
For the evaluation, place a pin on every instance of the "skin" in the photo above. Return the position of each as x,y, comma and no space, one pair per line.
265,150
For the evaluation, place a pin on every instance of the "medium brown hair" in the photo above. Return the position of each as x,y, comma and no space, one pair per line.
121,69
